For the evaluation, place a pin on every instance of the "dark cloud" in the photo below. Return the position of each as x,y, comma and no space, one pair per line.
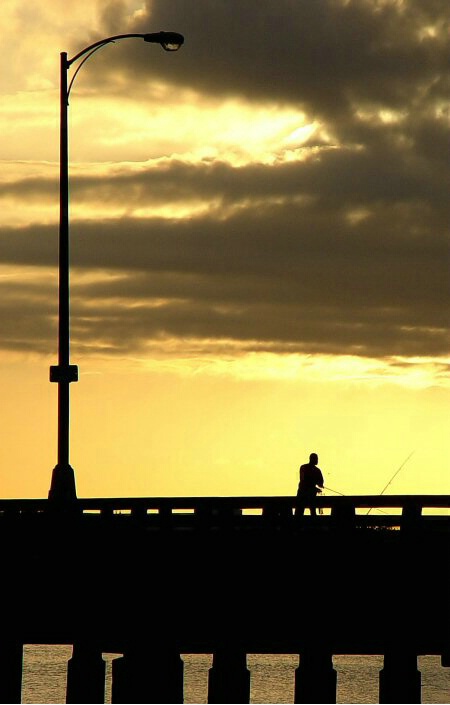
286,278
327,55
28,316
342,251
346,178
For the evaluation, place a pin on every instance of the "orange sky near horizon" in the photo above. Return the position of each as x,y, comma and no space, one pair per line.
250,282
167,433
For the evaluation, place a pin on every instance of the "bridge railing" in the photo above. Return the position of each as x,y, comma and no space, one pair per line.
356,510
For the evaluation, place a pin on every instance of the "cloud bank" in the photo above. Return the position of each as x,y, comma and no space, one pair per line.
337,244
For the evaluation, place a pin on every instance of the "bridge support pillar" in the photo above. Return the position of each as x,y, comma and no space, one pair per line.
315,678
400,681
229,677
85,675
11,659
144,676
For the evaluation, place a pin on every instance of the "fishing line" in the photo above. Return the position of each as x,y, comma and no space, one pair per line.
335,491
343,495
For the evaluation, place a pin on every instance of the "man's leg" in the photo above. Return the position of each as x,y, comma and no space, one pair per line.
299,507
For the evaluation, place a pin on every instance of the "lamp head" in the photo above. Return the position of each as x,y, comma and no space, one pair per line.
170,41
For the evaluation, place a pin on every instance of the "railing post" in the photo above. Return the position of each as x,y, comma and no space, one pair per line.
146,676
411,516
229,677
165,517
139,512
400,681
11,659
86,675
228,517
203,517
276,515
343,514
315,678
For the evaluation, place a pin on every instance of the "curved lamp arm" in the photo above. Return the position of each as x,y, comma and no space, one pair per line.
170,41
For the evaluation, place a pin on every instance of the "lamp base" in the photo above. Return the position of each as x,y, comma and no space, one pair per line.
62,488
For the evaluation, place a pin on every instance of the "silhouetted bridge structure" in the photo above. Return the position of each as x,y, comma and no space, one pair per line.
153,578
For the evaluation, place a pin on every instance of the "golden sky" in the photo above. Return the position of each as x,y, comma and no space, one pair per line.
259,252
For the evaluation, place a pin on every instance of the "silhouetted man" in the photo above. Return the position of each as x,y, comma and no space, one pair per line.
311,482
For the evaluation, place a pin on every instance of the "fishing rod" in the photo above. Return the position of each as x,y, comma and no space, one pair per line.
394,475
330,489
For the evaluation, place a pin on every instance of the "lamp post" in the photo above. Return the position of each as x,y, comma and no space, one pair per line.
63,479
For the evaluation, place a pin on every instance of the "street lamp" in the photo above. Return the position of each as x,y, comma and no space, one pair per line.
63,478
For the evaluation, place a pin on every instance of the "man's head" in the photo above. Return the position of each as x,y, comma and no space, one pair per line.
314,458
